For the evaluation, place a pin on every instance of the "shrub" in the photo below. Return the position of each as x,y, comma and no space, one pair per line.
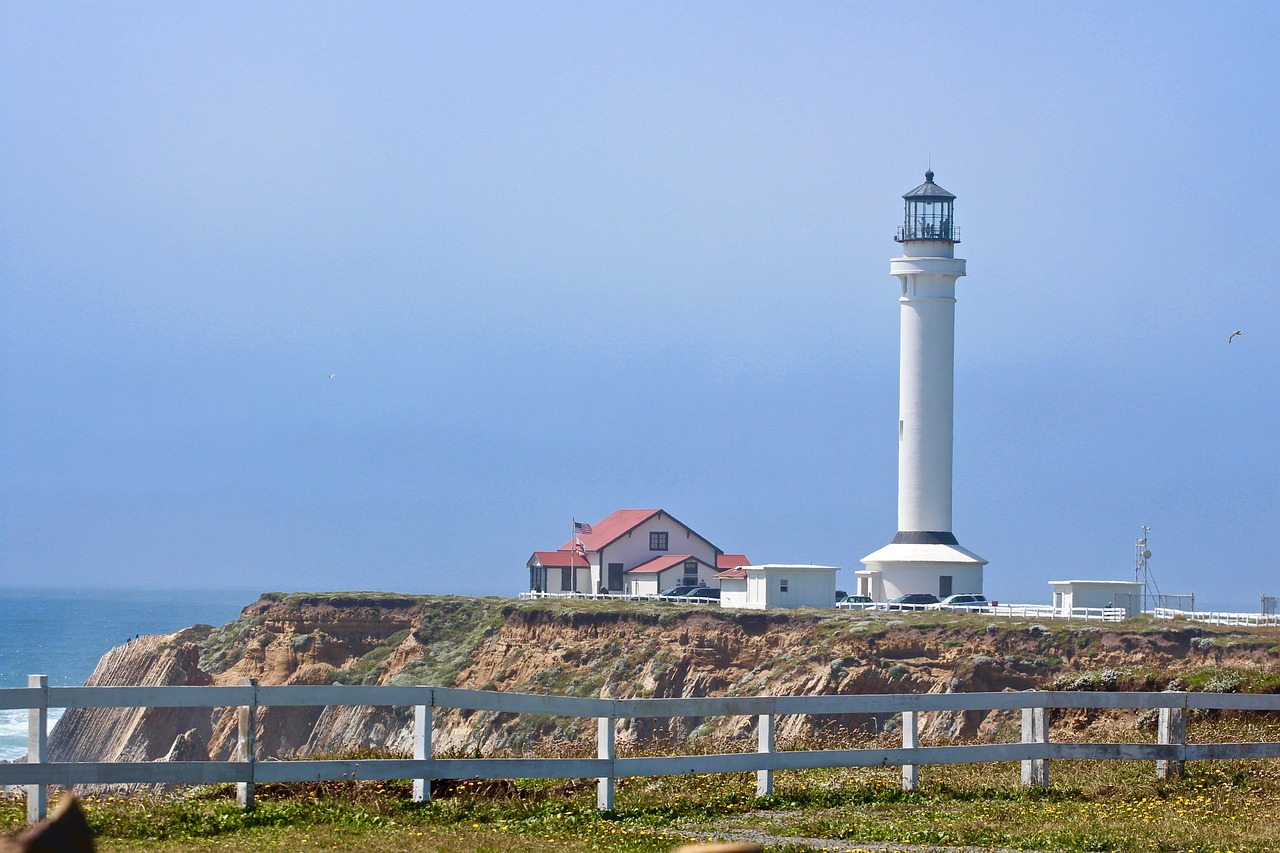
1223,682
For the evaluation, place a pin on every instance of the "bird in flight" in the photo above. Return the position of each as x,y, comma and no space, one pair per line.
335,376
1229,340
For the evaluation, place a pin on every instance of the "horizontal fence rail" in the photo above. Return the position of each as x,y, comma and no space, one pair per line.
1213,617
1023,611
619,596
1034,750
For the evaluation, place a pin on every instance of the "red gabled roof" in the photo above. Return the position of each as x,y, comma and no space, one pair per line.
731,561
612,528
738,572
621,523
661,564
560,559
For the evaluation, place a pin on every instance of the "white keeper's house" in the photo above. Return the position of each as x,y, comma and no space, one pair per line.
632,552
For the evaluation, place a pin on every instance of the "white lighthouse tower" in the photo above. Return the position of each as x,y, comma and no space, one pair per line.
924,556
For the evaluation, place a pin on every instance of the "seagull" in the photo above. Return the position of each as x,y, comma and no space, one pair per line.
335,376
1229,340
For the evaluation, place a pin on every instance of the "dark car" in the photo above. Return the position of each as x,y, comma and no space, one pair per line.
703,592
678,591
913,599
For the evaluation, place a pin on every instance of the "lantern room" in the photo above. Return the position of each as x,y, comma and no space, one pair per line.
928,214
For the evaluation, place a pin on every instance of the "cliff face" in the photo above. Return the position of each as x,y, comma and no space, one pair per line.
594,649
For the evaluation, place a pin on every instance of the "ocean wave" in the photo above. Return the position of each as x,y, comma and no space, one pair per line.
13,732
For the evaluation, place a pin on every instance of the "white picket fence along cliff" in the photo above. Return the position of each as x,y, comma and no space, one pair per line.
1020,611
1034,750
1214,617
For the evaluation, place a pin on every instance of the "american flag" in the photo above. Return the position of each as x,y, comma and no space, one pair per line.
581,527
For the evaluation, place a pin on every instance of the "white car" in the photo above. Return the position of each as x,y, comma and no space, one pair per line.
963,601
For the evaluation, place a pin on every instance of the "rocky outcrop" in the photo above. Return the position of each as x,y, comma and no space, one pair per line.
613,650
136,734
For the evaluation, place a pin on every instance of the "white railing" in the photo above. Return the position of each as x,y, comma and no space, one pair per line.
616,596
1048,611
1034,750
1215,617
1027,611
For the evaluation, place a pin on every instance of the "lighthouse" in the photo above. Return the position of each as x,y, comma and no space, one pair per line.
925,556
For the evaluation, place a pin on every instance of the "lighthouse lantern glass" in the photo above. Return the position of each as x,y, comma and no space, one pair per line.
928,219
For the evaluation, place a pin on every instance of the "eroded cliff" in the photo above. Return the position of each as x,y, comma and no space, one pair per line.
614,650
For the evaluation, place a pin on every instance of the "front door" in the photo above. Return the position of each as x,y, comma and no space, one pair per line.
615,577
944,586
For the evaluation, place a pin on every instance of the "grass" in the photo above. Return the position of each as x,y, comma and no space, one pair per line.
1109,806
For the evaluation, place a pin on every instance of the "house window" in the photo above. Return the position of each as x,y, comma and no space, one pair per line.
658,540
944,586
566,579
782,584
615,577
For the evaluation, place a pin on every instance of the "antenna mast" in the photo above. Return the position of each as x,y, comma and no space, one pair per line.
1141,572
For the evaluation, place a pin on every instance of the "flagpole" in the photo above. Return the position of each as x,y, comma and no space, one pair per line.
573,570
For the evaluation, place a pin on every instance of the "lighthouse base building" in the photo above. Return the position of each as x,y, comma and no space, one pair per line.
904,567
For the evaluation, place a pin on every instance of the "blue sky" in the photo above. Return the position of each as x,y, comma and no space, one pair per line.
565,258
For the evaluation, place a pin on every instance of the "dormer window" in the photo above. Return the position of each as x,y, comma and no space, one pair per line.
658,540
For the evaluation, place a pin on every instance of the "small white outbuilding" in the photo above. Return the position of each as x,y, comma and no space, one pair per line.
775,586
1068,595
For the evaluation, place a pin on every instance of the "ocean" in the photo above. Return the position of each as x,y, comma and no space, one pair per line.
63,634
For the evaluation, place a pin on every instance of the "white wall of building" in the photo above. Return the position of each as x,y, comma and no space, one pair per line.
733,592
652,583
642,584
1071,594
776,587
556,578
890,580
633,549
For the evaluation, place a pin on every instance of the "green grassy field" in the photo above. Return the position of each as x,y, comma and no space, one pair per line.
1119,806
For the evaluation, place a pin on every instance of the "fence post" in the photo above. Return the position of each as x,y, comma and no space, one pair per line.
764,745
246,744
910,740
422,750
1173,730
605,751
37,747
1035,729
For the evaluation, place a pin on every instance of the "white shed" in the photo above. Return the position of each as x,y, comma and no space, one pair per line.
775,586
1068,595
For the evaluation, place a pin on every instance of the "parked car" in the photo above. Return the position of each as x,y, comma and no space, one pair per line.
677,591
912,600
704,592
963,601
855,602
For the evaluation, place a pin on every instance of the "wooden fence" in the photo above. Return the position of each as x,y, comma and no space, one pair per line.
1034,750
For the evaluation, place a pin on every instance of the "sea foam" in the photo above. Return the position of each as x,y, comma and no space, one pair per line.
13,732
